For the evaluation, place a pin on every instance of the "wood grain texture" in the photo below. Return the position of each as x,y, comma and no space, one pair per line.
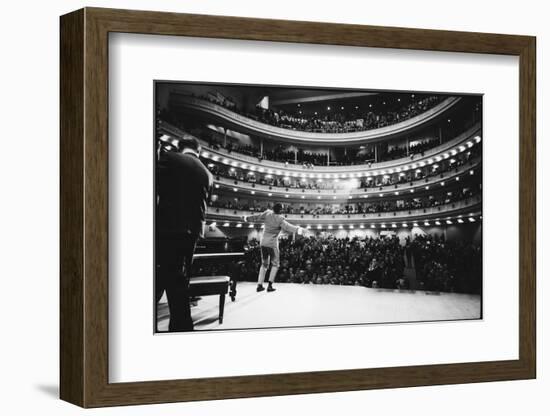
72,368
527,208
84,206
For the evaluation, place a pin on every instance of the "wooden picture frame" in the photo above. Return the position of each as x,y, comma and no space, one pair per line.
84,207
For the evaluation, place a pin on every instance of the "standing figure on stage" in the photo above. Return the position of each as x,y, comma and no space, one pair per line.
274,223
184,188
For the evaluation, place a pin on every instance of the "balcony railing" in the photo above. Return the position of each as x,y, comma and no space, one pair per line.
312,194
250,162
467,207
266,130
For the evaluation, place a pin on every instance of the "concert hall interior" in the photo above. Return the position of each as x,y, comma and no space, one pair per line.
385,185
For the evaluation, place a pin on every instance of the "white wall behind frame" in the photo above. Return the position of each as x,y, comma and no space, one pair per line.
30,327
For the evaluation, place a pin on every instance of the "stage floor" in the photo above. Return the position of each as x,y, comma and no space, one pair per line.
298,305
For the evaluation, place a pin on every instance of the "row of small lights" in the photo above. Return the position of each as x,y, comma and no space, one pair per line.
356,107
381,195
430,161
426,223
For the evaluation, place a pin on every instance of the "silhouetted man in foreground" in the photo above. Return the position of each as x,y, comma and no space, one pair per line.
184,188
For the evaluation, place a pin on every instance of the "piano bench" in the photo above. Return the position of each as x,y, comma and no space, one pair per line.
210,285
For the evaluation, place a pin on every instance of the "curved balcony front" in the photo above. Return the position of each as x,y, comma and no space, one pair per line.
248,125
469,207
451,147
432,182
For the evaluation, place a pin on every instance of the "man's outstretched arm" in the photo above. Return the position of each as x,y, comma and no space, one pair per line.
255,217
289,228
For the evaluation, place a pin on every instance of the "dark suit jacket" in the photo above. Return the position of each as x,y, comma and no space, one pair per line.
184,188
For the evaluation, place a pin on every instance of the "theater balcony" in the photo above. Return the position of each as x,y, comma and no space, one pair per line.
467,210
245,124
456,145
353,190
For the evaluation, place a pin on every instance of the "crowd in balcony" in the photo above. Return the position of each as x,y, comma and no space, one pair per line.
309,159
336,121
370,262
240,175
305,158
393,205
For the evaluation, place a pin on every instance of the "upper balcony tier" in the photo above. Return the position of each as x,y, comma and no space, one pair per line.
246,124
450,148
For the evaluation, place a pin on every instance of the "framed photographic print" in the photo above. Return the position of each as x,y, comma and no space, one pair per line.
264,207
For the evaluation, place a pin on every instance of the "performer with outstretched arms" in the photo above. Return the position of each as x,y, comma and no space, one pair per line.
274,223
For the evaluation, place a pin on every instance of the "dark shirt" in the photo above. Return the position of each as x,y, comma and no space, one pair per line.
184,188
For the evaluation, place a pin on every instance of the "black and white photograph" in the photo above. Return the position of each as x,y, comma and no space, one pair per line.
294,207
